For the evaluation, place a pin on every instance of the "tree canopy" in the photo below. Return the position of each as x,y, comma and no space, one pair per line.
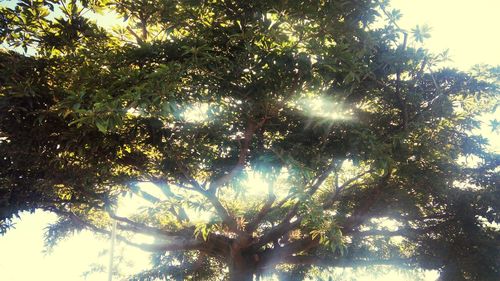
346,119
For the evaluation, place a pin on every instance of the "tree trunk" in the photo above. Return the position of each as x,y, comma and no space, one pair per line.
240,274
242,266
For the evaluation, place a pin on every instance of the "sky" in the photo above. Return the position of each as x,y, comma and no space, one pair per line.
469,29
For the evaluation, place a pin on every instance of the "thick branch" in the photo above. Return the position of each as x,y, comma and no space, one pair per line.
222,211
144,194
276,232
137,37
251,226
286,225
210,196
175,243
316,183
321,178
271,257
146,229
217,245
252,126
313,260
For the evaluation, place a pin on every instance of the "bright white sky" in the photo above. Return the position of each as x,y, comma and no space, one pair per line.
469,29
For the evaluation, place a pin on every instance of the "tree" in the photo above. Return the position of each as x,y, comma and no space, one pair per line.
348,121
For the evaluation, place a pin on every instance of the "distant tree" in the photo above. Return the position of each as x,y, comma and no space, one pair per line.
348,122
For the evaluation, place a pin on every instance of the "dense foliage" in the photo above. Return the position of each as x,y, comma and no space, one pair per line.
348,123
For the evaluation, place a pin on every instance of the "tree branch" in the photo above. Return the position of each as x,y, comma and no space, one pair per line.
312,190
276,232
137,37
321,178
271,257
286,226
251,226
144,194
252,126
358,214
331,199
324,262
178,243
146,229
210,196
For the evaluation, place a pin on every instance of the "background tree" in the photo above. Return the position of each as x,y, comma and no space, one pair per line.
347,121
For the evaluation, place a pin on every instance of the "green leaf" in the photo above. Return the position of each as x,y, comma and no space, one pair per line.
102,125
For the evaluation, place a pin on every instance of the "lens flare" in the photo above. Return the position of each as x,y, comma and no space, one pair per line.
325,108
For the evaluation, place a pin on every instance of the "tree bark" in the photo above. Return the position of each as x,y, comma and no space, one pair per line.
242,266
240,274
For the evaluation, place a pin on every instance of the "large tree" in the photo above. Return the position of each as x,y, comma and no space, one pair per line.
347,121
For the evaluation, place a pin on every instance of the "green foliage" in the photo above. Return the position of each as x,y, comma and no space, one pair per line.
278,132
421,33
